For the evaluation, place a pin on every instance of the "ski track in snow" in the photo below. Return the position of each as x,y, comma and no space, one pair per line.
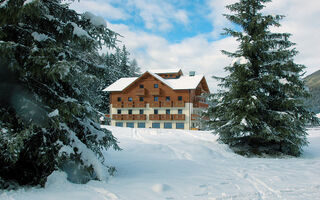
177,164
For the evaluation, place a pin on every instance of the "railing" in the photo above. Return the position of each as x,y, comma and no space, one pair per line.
127,117
128,104
194,117
117,117
178,117
141,92
138,104
139,117
165,117
178,104
117,105
166,104
155,104
200,105
154,117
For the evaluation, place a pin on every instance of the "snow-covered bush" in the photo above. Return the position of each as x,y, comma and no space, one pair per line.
49,91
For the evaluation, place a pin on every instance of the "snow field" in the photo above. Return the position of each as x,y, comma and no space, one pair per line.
179,164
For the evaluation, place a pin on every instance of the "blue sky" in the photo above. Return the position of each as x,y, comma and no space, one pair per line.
186,34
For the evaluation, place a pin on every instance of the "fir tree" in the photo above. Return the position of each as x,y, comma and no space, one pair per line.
261,107
49,75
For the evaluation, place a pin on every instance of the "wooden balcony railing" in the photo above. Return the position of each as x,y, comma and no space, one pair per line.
165,117
139,117
178,104
200,105
155,104
178,117
139,104
166,104
127,117
128,104
154,91
141,92
154,117
194,117
117,117
117,105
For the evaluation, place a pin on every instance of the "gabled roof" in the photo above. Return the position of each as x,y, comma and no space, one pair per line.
120,84
165,71
182,83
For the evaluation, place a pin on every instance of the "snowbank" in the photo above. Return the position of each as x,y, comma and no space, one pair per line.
178,164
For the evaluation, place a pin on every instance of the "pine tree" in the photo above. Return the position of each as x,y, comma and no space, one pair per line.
260,110
49,73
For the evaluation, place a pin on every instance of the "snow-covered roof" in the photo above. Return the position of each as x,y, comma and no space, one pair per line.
182,83
164,71
185,82
120,84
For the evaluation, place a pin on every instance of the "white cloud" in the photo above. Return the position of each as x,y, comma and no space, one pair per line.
159,15
203,55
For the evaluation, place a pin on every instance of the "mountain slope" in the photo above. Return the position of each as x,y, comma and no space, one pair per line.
313,83
178,164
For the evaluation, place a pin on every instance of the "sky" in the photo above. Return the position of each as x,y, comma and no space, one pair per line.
186,34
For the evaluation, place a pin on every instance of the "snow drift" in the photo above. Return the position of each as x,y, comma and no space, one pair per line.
178,164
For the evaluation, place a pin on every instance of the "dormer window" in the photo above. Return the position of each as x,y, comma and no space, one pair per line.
129,98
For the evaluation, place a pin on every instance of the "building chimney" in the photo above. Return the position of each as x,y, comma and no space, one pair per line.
192,73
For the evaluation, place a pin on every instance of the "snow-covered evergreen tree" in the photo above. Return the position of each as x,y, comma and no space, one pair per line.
260,109
49,75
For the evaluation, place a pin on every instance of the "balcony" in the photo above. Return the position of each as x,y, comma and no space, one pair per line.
117,105
139,104
128,104
141,92
154,117
154,91
178,104
117,117
165,117
155,104
194,117
139,117
200,105
127,117
178,117
166,104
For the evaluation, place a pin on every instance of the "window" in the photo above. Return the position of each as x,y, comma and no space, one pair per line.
119,111
166,75
141,125
141,86
130,112
141,112
119,99
167,125
179,98
141,99
130,124
170,75
180,111
155,125
168,111
156,99
129,98
156,86
155,111
179,125
167,98
120,124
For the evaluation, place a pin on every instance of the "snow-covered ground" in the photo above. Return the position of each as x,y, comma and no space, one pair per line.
177,164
